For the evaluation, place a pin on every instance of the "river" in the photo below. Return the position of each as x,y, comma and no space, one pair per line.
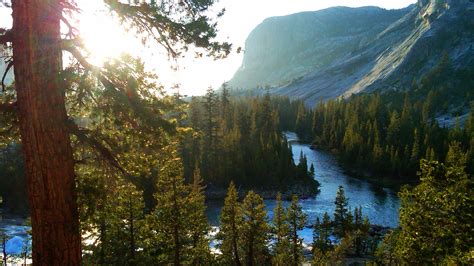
380,204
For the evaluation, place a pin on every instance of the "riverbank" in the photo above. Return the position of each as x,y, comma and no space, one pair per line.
303,191
387,182
382,181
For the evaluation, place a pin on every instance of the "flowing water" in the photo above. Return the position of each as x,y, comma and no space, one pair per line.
380,204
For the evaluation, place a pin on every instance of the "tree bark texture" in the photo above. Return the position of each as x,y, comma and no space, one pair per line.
45,139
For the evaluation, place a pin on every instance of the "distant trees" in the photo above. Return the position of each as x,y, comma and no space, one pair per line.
240,139
386,134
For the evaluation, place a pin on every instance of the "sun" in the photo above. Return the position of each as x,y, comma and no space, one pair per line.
103,36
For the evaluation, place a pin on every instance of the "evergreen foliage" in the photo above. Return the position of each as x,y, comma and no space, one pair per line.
231,220
255,231
240,139
296,221
436,215
321,235
386,134
341,214
174,232
117,224
13,180
281,246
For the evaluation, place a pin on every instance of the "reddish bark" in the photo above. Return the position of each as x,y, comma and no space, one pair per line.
45,139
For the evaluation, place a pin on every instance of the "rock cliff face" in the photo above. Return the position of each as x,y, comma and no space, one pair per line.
340,51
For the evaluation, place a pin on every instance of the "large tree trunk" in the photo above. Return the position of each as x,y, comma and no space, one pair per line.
45,139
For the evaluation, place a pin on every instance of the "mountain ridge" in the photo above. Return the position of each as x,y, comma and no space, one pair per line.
355,50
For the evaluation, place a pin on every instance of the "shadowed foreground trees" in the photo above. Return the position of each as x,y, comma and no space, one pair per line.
435,216
37,101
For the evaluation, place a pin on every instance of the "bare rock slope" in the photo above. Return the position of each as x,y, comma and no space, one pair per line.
340,51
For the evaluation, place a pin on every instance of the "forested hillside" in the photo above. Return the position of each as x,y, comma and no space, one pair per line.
386,134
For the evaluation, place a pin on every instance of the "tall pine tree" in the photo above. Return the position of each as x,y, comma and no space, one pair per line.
230,225
281,229
255,231
296,221
340,213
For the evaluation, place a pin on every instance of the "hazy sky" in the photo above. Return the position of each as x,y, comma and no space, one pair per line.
196,75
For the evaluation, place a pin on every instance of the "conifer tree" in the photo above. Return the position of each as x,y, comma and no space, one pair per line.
385,253
317,228
326,229
321,235
230,225
340,213
360,231
301,121
321,240
117,225
438,210
281,228
311,170
296,221
171,218
198,224
210,138
302,166
415,151
349,221
225,109
255,231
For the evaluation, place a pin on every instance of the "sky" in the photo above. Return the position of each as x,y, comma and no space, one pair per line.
107,39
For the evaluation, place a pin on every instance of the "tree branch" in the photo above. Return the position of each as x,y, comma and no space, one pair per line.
83,137
70,46
9,66
72,31
108,82
6,36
